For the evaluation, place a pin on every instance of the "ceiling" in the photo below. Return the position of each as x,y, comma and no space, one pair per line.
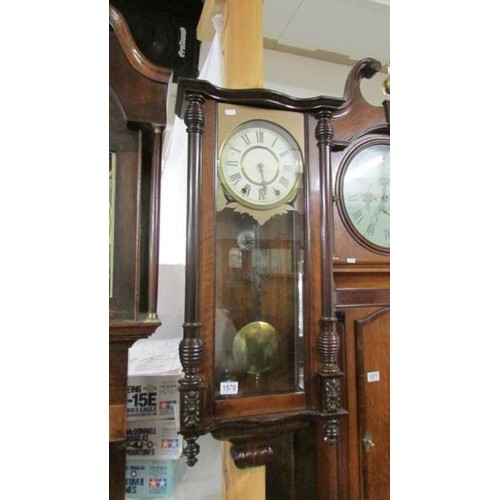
341,31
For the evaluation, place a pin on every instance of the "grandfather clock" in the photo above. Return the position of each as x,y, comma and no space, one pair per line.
137,90
361,256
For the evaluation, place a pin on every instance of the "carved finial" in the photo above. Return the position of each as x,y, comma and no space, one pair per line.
331,432
365,68
191,451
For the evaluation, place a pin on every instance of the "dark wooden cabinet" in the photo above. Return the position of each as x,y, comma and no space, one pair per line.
137,91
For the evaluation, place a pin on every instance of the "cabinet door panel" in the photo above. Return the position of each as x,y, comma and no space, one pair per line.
373,378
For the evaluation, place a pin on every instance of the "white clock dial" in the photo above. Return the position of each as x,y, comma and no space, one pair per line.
366,194
260,165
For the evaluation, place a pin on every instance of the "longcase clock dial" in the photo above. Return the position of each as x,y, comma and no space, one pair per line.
364,192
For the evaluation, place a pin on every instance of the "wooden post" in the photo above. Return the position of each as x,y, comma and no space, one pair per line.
243,68
243,44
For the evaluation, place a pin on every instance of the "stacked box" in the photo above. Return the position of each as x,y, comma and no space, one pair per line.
152,478
154,447
150,397
153,439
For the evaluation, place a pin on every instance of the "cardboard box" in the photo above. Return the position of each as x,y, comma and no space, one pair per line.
153,439
152,478
152,396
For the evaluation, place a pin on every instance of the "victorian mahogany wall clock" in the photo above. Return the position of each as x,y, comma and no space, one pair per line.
287,284
260,348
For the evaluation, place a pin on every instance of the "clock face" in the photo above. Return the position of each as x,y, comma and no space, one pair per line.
260,165
365,192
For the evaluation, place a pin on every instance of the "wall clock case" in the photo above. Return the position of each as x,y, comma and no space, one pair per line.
273,344
257,362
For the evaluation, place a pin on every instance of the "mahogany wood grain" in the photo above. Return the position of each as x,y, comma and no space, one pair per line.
207,239
366,349
117,458
280,482
357,116
117,422
362,277
372,352
143,100
359,297
327,478
276,403
139,62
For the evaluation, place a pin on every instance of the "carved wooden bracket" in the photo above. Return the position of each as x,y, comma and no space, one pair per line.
251,455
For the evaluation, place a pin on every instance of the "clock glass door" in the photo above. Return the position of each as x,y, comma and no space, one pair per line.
259,258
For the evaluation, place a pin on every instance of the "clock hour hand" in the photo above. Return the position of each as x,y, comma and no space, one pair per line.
384,181
382,207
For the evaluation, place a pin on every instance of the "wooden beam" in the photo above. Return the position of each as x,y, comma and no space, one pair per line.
243,44
242,38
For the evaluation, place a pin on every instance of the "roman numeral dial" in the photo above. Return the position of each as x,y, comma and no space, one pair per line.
260,165
365,195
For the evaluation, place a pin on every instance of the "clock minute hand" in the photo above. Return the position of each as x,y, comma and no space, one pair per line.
260,168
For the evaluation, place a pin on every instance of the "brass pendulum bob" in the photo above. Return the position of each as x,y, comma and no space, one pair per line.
255,346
